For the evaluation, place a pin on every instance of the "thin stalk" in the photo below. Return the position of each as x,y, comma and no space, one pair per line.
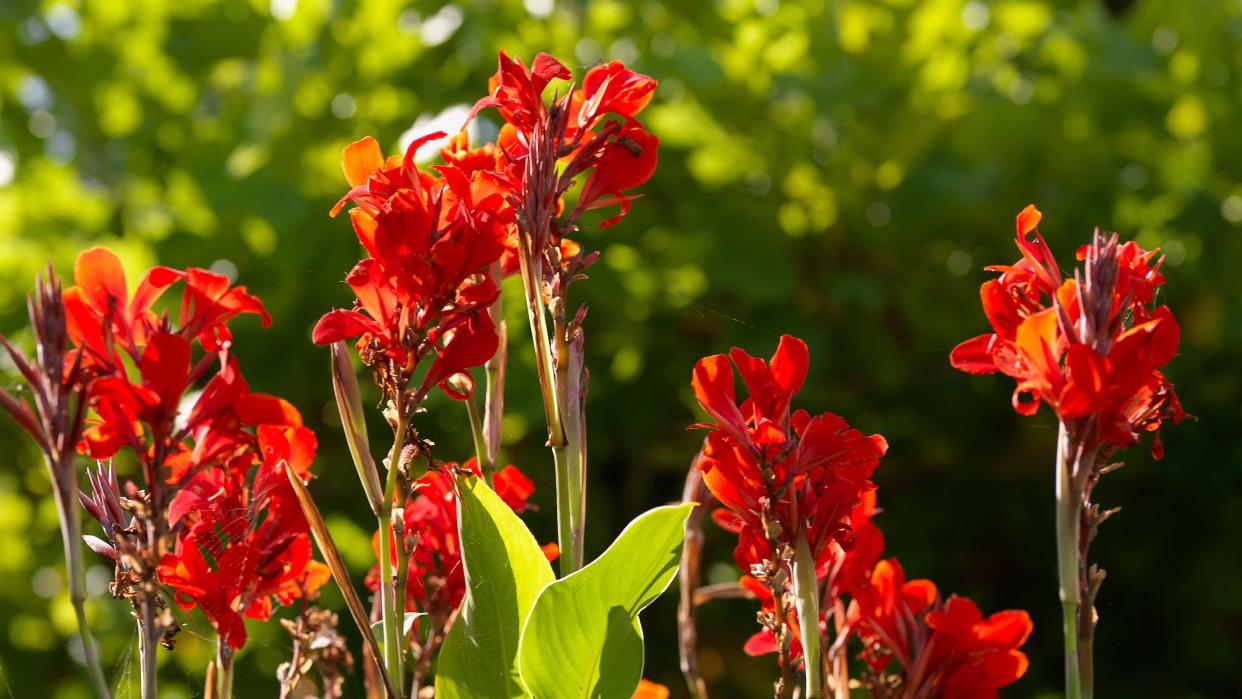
148,642
840,662
148,608
391,618
403,575
574,382
564,508
531,266
1069,508
211,689
75,569
571,457
224,673
689,577
806,601
486,464
494,370
552,385
1086,668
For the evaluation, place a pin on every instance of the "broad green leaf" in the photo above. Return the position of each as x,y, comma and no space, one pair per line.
583,639
505,570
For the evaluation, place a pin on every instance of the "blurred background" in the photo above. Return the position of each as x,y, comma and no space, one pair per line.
837,170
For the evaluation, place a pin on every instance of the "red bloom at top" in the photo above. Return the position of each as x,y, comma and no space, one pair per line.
1090,346
616,154
430,238
517,91
102,318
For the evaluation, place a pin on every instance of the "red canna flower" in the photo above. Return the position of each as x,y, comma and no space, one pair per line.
782,474
430,238
517,91
942,649
813,471
103,319
887,614
979,655
213,474
1091,346
243,539
612,89
623,164
617,155
100,313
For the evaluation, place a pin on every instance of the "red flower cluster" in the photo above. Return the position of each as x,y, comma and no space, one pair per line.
112,331
241,544
943,648
618,155
437,581
431,236
1090,346
782,475
763,460
213,473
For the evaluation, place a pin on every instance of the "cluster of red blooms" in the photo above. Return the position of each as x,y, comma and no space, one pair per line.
1090,346
942,647
787,479
436,241
217,521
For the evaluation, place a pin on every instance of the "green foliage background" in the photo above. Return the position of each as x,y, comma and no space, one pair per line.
838,170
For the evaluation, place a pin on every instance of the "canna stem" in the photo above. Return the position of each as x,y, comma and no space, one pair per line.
481,451
1069,507
148,641
806,602
390,616
403,575
75,568
689,577
494,370
224,665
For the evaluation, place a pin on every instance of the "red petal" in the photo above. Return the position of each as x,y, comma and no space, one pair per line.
165,368
340,324
360,159
1028,219
99,274
973,355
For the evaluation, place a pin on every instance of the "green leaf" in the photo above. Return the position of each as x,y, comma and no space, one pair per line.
583,639
505,570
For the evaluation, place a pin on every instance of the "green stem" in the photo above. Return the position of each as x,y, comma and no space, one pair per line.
571,494
494,370
806,601
486,465
148,641
531,267
1069,507
224,669
391,617
403,575
75,569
